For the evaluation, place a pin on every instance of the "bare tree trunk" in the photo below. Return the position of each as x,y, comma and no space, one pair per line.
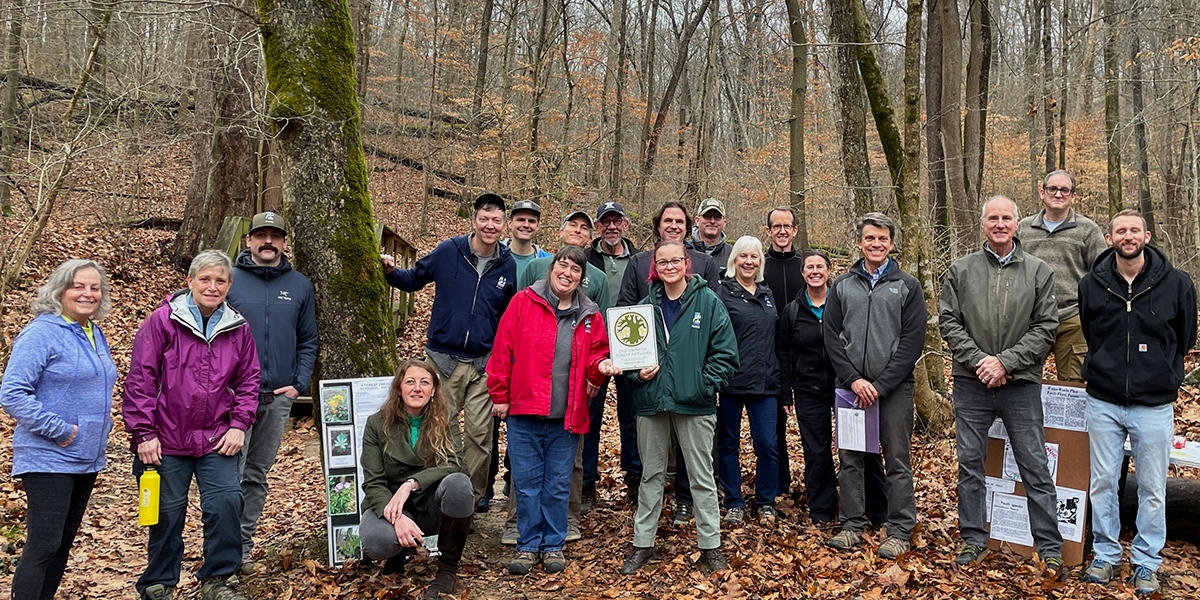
698,170
360,16
538,85
564,169
316,114
848,90
1087,73
648,101
1033,80
978,79
1112,107
1063,103
1047,99
1139,134
9,114
796,184
966,231
615,164
935,156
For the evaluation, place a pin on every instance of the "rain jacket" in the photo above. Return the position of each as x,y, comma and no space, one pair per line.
755,319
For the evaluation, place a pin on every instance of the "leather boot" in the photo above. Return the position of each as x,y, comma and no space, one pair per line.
452,538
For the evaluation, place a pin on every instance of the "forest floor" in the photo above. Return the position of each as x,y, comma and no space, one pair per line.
788,560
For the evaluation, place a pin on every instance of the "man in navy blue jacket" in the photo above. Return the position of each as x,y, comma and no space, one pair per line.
476,277
277,302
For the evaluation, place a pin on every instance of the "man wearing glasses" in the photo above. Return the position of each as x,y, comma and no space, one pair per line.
1069,243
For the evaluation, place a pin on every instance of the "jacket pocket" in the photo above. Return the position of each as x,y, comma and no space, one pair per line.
91,441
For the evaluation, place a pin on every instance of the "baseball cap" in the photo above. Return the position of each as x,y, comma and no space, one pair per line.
489,198
609,207
711,204
268,219
525,205
579,212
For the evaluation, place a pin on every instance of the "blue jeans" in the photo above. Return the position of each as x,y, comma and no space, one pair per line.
1149,429
761,411
627,420
543,454
221,510
591,439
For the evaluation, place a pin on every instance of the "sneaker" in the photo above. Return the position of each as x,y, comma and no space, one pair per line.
1099,572
218,589
683,515
767,515
1144,580
554,562
573,533
894,546
713,559
1054,564
734,514
158,591
510,536
845,540
522,563
968,554
246,567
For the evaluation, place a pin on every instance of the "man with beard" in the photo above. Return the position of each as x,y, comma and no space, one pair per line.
708,235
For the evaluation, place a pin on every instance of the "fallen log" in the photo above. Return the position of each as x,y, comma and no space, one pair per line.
412,163
1183,508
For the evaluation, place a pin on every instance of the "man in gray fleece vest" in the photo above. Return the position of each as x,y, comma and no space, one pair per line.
1069,243
874,331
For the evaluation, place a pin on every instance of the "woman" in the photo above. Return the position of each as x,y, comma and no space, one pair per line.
697,354
755,386
551,347
59,386
412,478
809,375
190,396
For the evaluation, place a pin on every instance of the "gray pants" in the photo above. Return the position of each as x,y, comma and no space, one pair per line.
1019,406
695,435
258,455
453,498
895,436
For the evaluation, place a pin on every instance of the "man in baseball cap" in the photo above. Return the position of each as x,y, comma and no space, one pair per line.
708,236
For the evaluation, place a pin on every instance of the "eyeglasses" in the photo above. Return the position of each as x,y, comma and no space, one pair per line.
1054,191
781,227
674,263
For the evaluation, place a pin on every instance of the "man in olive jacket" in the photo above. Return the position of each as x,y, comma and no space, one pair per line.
999,317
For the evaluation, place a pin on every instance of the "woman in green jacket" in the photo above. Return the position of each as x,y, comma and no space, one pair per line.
413,480
697,354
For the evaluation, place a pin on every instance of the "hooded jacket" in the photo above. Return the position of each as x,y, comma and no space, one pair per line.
613,267
695,360
55,379
804,364
636,283
755,319
719,251
594,284
1137,333
520,371
278,303
467,308
186,390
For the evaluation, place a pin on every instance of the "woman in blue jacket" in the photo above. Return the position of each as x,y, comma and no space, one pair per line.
59,386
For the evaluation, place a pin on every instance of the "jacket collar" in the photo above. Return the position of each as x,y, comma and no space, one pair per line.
1071,220
246,263
581,304
699,244
773,253
627,248
180,313
1157,265
1018,253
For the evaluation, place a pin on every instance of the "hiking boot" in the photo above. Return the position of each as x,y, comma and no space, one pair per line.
845,540
767,515
218,588
683,515
968,554
1054,564
554,562
587,498
522,563
246,568
573,533
734,515
894,546
713,559
1144,580
159,591
631,490
1099,572
510,536
637,560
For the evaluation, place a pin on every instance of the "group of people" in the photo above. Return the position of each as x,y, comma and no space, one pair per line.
518,336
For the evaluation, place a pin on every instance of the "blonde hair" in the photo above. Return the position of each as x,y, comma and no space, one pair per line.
744,243
433,444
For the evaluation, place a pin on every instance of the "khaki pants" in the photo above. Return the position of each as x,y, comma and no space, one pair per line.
1069,350
466,391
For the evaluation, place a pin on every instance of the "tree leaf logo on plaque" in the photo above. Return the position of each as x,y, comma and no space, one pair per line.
632,329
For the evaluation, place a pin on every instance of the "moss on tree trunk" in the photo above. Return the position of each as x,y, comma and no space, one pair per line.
308,47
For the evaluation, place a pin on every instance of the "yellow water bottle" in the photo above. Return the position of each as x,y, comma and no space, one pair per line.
148,498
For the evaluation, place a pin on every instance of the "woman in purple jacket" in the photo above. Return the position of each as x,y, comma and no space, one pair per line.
191,394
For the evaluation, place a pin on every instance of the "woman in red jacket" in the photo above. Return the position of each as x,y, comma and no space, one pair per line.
550,348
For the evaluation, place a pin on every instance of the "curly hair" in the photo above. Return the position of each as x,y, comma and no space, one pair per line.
433,445
49,296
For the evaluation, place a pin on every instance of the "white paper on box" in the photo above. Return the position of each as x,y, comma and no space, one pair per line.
1012,472
632,339
1071,514
1010,520
1064,407
996,485
997,430
851,429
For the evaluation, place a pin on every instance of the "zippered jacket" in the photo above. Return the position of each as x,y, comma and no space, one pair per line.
636,282
1137,334
467,307
185,389
875,333
696,358
54,380
594,284
805,365
755,319
389,459
1007,311
1070,251
520,371
719,251
784,274
278,303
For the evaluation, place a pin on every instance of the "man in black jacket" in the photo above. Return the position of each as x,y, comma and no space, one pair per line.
278,304
1138,315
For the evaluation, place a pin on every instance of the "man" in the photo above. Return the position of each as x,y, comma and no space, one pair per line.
612,252
998,315
277,302
576,230
1137,340
708,236
524,221
1069,243
476,278
874,330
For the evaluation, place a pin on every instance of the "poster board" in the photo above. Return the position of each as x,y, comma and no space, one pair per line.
1064,407
344,406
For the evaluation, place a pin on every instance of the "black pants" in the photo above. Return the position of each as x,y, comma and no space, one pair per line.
55,504
814,414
